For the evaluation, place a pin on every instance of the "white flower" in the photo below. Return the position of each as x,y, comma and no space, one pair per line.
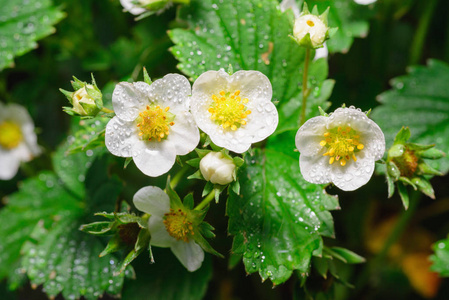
234,110
364,2
217,169
169,227
152,123
312,25
18,142
341,148
130,6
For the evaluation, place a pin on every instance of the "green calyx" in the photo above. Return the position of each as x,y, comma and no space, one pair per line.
406,163
86,100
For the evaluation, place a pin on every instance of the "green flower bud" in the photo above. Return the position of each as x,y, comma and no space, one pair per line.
86,99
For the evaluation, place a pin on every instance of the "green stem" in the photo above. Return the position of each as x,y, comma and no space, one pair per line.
174,182
421,31
206,200
305,90
107,110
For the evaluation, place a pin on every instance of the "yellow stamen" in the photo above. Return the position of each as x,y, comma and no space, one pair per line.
229,110
178,225
341,144
10,135
154,123
310,23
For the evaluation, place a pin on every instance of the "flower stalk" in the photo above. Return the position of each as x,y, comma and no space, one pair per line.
305,90
206,200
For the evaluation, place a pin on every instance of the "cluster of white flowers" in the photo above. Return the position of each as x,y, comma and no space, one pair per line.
18,141
153,123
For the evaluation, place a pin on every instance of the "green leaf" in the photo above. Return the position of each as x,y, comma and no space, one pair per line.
350,18
89,134
250,35
39,198
402,189
440,258
66,261
167,279
419,100
278,218
22,23
41,237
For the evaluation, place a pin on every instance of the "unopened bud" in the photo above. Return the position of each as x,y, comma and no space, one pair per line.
312,25
217,168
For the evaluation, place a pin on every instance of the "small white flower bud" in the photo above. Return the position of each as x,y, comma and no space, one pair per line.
83,103
314,26
217,169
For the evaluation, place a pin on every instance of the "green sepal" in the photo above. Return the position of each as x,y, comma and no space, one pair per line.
235,187
205,245
346,256
402,136
218,190
206,230
425,169
194,162
324,16
230,69
393,170
404,195
115,244
331,32
368,112
396,150
424,186
77,84
432,153
390,184
146,77
142,243
238,161
127,161
408,181
196,175
419,147
322,112
207,188
202,152
315,10
98,228
321,265
305,9
175,201
188,201
67,94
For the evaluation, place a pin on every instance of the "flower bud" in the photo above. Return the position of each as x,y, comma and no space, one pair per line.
217,168
86,99
83,103
312,25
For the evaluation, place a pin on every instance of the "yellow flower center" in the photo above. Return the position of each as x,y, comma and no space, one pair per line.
229,110
310,23
154,123
10,135
342,144
178,225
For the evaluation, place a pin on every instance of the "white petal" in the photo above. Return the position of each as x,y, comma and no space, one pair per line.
374,141
315,168
253,85
352,117
154,158
172,90
354,174
184,135
128,101
310,135
159,234
129,6
364,2
121,137
290,4
152,200
321,52
208,84
189,254
9,164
